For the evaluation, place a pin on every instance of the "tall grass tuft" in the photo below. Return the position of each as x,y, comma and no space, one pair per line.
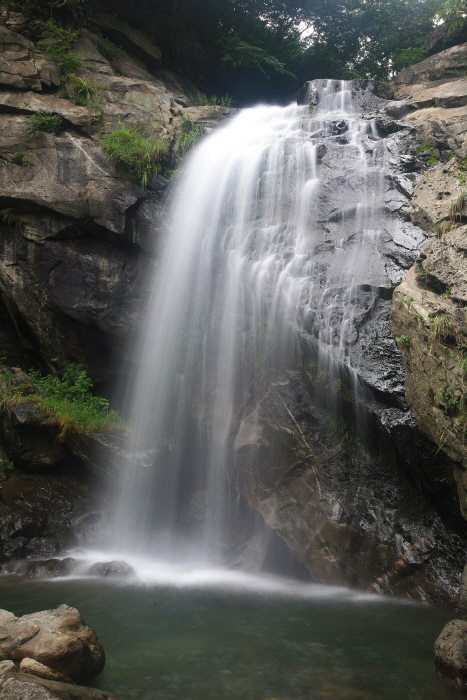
128,146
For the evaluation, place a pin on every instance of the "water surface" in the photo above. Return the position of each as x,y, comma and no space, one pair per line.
260,641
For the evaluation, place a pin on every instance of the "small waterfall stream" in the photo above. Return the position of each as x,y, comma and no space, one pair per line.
273,216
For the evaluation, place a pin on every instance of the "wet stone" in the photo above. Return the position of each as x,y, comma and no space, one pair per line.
111,569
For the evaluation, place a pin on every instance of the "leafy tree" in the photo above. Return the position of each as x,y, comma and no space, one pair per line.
257,49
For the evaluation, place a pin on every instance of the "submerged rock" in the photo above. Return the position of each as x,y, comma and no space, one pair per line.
59,639
111,569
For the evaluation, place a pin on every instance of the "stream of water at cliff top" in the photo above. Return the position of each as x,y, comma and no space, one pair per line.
234,281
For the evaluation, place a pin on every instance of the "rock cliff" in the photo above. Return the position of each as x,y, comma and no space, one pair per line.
78,238
428,313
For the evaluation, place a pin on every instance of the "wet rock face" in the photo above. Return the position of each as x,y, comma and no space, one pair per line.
381,256
74,298
352,513
432,331
427,315
38,511
339,478
74,268
76,231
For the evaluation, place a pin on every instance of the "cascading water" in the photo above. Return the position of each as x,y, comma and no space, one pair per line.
239,285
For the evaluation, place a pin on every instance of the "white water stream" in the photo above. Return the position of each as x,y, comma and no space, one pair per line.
239,271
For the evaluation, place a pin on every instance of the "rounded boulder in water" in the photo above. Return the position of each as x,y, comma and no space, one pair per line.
112,569
59,639
451,651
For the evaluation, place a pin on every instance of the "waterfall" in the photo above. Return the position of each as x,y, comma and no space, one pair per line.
273,216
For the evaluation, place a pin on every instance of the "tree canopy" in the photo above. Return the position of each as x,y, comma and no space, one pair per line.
265,49
261,48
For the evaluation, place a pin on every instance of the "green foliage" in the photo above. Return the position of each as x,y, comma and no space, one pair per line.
338,427
7,464
201,99
46,123
189,134
111,48
441,328
428,152
10,218
20,159
404,341
457,207
408,57
57,46
239,53
83,90
448,397
253,49
445,226
453,13
70,401
128,146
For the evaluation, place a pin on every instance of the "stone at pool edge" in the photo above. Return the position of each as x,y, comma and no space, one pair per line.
14,686
451,651
51,568
59,639
451,645
35,668
8,666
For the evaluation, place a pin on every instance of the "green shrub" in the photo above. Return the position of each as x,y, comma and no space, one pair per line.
57,46
111,48
83,90
46,123
404,341
128,146
441,328
407,57
202,100
68,399
428,153
189,134
20,159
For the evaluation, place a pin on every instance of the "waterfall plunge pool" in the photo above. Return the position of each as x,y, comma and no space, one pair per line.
217,635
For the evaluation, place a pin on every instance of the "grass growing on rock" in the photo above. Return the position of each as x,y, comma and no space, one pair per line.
128,146
190,133
68,400
57,46
201,100
83,91
45,123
